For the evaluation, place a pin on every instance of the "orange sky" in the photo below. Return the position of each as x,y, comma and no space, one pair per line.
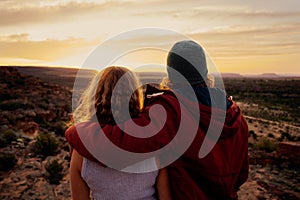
240,37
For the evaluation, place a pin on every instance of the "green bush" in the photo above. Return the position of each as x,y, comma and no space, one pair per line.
7,161
286,135
250,145
253,134
45,100
266,145
43,105
7,137
10,119
3,142
8,96
20,81
45,145
59,128
54,171
10,106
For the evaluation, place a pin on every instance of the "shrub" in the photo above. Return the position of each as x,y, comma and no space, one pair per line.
10,106
286,135
250,145
253,134
7,161
45,145
58,127
20,81
8,96
7,137
266,145
43,105
10,119
3,142
45,100
54,171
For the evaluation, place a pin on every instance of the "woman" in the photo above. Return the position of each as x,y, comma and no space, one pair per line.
104,182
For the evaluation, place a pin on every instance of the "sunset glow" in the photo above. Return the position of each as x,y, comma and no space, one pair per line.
240,37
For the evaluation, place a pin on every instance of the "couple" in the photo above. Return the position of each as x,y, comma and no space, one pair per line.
217,175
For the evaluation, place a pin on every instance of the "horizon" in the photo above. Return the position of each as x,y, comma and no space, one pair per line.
239,37
222,73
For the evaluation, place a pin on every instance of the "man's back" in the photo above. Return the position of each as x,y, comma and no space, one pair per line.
220,173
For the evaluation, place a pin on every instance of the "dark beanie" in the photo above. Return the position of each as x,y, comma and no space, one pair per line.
188,58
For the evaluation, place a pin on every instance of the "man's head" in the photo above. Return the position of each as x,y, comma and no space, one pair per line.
188,58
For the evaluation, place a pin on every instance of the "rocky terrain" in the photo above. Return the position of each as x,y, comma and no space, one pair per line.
30,107
274,161
34,110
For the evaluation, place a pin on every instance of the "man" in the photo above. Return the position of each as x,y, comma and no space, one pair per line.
220,173
215,163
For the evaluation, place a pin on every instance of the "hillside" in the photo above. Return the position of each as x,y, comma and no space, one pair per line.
31,109
27,99
36,105
271,99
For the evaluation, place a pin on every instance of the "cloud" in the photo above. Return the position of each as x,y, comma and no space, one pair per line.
37,11
193,10
21,47
236,11
251,41
231,41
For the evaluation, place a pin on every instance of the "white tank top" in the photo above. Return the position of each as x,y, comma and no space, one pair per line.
108,183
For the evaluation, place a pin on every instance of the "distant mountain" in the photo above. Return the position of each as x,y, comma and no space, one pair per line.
57,75
228,75
232,75
266,75
270,75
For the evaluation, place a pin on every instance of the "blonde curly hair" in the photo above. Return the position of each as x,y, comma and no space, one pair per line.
96,101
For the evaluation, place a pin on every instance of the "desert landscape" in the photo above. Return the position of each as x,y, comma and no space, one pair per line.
36,102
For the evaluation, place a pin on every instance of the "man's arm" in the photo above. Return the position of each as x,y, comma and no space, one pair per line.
101,138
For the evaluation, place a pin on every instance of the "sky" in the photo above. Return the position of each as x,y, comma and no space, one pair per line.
247,37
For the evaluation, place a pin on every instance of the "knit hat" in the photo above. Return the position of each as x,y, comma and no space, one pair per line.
187,58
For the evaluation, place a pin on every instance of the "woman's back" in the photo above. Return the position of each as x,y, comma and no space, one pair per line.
108,183
95,106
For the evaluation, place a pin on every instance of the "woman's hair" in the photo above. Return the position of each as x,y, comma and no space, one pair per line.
96,101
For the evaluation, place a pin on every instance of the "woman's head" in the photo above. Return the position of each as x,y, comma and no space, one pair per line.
96,102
